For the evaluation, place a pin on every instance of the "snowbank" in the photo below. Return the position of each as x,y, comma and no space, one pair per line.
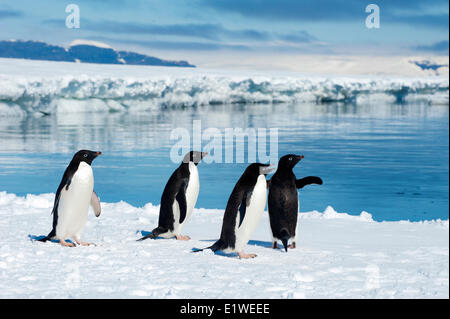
338,256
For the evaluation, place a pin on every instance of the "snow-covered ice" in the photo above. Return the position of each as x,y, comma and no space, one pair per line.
28,87
338,256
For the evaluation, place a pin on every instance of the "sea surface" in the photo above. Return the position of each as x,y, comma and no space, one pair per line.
388,159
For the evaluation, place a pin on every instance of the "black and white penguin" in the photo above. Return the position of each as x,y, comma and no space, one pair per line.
244,210
283,202
73,197
178,198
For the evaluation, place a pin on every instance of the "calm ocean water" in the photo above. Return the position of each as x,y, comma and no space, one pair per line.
389,160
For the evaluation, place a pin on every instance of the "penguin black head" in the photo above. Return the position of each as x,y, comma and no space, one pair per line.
256,169
194,156
85,156
289,161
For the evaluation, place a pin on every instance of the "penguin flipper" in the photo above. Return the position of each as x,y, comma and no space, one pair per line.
300,183
95,203
181,199
69,181
243,207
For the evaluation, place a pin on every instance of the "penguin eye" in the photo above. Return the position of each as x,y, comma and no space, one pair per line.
290,158
85,155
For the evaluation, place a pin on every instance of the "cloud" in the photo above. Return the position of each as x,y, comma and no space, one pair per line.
287,9
438,47
174,45
209,32
10,14
304,47
399,11
299,37
202,31
437,21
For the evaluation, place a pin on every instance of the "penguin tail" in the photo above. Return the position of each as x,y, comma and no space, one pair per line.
44,239
155,233
48,237
285,238
151,236
218,245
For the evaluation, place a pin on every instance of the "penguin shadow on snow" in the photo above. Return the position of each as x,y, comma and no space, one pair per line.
34,238
259,243
265,244
217,252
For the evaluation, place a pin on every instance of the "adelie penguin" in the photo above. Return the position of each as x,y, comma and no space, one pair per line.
73,197
283,202
178,198
244,210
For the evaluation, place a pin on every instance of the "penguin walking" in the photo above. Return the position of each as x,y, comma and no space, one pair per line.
244,210
73,197
283,202
178,198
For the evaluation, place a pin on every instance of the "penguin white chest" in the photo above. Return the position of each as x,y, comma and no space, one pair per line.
192,189
191,194
74,203
253,214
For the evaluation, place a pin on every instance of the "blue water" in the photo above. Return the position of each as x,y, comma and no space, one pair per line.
389,160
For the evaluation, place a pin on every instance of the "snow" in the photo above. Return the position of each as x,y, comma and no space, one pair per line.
91,43
338,256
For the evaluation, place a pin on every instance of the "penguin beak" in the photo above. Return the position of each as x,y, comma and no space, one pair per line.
204,154
97,154
299,158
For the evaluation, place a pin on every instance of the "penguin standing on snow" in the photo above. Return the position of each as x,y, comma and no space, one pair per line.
73,197
244,210
283,200
178,198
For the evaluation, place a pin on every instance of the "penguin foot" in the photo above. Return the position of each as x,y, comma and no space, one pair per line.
181,237
291,246
82,243
66,244
275,245
243,255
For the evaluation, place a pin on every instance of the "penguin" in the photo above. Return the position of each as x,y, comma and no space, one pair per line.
283,202
179,198
73,197
243,211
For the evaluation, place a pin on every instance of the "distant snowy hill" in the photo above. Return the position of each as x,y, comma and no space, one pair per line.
80,51
429,65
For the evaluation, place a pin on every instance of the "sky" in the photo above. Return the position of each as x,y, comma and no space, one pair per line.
202,30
